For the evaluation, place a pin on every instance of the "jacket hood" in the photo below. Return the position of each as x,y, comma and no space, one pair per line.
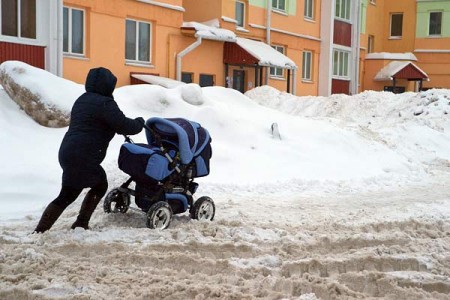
101,81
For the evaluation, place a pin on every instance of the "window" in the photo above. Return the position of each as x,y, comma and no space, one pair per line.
279,4
371,44
277,72
240,13
186,77
206,80
137,41
435,25
396,25
309,9
18,18
342,9
73,30
373,1
340,63
307,65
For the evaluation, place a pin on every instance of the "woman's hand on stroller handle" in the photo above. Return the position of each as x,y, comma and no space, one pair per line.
128,139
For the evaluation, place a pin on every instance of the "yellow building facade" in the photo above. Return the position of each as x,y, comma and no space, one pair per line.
97,33
414,32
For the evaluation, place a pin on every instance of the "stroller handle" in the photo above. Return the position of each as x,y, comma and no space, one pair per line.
129,140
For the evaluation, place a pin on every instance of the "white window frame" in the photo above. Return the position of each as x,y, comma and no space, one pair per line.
273,70
343,14
390,26
277,5
70,31
137,61
19,19
307,60
309,6
343,70
243,14
429,22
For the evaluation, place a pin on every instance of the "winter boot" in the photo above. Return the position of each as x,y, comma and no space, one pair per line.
88,206
49,217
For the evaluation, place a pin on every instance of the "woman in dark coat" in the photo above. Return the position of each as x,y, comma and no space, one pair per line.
94,120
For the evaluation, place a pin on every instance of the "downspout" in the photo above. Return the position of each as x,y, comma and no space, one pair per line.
59,39
268,26
358,47
183,53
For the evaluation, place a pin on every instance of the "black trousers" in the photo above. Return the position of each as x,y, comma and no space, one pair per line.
68,194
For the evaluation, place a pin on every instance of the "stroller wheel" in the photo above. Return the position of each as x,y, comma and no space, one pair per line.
204,209
159,215
116,202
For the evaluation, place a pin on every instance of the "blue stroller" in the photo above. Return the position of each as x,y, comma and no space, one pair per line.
178,151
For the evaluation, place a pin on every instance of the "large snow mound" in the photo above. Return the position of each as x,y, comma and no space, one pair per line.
45,97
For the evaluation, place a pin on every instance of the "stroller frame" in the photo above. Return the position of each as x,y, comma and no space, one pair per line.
172,195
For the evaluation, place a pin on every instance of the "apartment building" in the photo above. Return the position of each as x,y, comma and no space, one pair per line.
126,36
405,45
291,28
30,31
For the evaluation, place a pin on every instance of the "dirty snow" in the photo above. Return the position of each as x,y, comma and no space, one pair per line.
352,202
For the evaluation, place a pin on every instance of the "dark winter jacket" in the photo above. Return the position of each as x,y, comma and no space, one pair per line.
94,120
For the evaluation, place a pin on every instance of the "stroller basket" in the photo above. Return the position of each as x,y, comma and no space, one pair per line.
186,142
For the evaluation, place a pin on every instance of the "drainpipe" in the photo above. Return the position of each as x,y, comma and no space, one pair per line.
358,46
268,20
183,53
59,38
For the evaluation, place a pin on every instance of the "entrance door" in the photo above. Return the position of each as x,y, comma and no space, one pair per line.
239,80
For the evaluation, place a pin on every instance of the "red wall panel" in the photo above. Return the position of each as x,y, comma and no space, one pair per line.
342,33
340,86
235,55
32,55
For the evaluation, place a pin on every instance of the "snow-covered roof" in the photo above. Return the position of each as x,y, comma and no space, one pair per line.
393,68
158,80
210,30
392,56
266,55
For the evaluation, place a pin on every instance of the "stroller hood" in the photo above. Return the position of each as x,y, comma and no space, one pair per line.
189,136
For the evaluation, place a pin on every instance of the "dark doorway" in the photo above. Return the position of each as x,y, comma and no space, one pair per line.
239,80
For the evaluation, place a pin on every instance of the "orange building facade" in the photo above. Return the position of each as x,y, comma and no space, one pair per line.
411,34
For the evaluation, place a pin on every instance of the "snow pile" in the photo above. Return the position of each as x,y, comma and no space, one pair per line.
415,125
368,107
47,98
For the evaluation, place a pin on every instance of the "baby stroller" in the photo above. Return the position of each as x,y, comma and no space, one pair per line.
178,151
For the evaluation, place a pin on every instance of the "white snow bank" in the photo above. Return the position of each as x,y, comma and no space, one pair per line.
53,91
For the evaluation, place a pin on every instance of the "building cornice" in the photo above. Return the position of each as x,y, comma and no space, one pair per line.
308,37
165,5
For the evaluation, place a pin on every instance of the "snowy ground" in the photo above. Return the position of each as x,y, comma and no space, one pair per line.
352,203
